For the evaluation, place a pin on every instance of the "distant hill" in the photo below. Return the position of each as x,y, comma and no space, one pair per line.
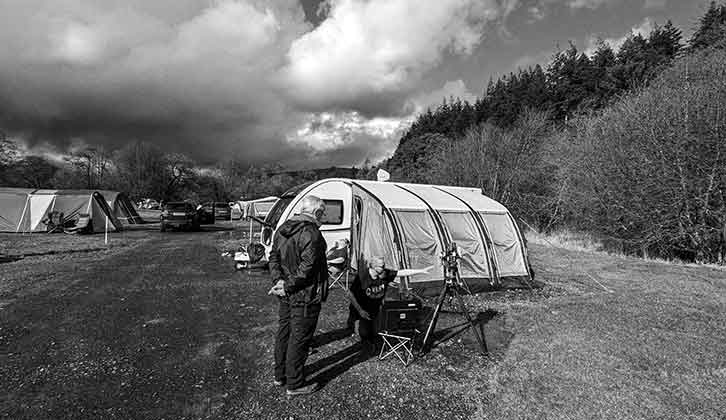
322,173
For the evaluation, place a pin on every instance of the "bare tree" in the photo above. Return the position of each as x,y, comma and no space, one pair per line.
653,166
93,163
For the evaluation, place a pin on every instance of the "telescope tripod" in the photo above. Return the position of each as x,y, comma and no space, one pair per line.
451,288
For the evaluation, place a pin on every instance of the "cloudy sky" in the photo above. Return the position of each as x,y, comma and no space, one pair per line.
306,83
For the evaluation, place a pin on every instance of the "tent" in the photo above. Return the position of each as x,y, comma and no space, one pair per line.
410,225
259,207
122,207
13,209
24,210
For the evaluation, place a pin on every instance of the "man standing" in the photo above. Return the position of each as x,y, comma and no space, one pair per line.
299,270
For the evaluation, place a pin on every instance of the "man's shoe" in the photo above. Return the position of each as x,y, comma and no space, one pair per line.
304,390
280,382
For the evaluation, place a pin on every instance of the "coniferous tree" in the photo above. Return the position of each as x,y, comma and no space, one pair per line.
711,29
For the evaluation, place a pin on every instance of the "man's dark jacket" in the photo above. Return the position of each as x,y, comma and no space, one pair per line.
298,258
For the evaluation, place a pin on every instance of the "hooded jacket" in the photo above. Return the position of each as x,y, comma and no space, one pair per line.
298,258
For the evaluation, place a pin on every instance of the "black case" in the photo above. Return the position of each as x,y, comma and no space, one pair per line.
399,316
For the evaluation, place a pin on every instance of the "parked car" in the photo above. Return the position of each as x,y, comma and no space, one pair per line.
206,213
222,210
179,215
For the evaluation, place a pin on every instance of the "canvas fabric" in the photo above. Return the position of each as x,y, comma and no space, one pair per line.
40,205
13,209
25,211
464,232
121,207
421,241
374,229
506,243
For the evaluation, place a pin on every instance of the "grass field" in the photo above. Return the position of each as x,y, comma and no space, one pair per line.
160,326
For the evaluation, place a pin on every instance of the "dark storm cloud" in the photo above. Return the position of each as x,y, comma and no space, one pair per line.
192,77
239,78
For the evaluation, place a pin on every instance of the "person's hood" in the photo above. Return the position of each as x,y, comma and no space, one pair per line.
293,225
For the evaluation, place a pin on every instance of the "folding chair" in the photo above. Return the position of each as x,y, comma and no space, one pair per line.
399,345
339,279
397,325
338,267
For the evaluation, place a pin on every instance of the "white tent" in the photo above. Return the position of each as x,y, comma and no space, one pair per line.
259,207
410,225
25,210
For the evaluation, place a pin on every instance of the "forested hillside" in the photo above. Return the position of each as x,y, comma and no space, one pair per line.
629,145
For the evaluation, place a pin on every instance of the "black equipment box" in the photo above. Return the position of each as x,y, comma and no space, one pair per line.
398,316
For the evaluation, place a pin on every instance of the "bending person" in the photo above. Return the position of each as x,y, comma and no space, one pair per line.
366,295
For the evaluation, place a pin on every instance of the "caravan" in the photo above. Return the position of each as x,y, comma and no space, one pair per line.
411,224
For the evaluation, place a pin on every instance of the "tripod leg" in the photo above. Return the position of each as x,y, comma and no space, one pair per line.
425,346
478,334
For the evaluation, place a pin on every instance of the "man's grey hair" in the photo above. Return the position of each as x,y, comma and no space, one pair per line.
376,262
310,204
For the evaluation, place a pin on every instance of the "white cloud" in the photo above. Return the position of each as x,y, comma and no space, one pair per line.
452,88
327,130
377,137
364,52
236,28
644,28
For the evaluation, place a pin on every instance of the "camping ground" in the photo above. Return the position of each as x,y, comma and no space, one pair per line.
160,326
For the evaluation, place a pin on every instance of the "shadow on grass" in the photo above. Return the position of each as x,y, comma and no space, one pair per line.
331,367
330,336
497,339
325,370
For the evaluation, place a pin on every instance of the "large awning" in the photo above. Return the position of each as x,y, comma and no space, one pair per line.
437,199
392,196
476,200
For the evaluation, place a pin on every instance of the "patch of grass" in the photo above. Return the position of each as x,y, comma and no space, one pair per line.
165,328
573,241
585,242
38,244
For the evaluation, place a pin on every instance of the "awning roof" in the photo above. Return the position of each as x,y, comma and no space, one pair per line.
477,201
437,199
392,196
416,197
18,191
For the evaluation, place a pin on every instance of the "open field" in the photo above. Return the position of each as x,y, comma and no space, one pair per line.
160,326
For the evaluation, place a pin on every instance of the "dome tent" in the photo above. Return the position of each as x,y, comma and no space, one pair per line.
411,224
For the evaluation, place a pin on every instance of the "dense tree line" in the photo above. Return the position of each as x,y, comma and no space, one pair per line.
143,170
629,145
573,82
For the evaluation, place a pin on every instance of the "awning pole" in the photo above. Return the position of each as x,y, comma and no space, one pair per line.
22,217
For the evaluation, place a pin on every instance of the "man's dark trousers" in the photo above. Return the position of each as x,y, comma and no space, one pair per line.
294,334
